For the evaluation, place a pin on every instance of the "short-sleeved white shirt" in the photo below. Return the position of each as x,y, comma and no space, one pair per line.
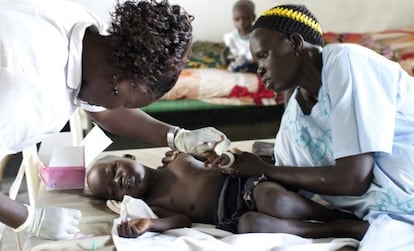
239,47
365,104
40,68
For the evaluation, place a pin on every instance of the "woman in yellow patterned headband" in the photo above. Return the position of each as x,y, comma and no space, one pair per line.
348,125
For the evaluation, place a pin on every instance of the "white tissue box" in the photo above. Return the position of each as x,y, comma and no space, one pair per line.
63,165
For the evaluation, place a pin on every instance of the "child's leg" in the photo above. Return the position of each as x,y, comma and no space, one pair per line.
256,222
273,199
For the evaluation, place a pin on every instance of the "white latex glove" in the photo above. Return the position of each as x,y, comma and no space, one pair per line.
201,140
54,223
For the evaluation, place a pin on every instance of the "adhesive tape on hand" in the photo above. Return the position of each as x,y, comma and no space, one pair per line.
222,147
230,156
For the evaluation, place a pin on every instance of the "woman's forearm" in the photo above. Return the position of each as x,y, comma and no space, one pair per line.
12,213
350,176
133,123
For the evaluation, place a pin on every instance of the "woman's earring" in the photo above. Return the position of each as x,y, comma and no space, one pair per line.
297,54
114,91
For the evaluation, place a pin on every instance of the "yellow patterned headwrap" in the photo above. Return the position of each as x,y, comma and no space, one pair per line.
292,19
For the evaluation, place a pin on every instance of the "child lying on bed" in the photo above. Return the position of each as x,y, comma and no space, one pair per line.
183,191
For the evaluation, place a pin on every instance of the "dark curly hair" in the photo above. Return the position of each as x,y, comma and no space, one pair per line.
149,40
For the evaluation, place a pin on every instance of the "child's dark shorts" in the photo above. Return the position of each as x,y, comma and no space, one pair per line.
235,199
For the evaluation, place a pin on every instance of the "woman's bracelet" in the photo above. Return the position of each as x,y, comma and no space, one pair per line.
171,135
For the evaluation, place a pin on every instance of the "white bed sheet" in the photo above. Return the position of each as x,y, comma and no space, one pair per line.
204,237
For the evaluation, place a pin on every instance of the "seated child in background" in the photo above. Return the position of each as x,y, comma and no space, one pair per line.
183,191
236,54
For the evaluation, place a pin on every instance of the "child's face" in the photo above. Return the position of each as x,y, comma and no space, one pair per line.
112,177
243,20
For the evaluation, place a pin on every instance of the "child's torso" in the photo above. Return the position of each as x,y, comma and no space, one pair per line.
189,191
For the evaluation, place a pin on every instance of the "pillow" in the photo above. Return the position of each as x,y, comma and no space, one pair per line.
396,45
199,83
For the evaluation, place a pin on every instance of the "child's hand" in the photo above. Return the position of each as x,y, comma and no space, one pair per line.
134,228
170,156
226,159
246,164
212,159
214,155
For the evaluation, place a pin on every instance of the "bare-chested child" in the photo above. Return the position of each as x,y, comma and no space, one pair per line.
183,191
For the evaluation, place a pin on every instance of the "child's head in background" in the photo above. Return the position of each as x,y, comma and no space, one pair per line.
244,16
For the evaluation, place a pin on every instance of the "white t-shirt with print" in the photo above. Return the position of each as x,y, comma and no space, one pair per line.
239,47
365,104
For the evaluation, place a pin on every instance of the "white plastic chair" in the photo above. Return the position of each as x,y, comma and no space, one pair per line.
79,124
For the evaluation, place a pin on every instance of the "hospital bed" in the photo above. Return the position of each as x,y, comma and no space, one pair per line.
97,222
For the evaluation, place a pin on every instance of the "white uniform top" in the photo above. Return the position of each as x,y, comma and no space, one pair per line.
239,47
365,104
40,68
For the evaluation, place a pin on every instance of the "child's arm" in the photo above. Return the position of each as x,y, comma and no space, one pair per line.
168,220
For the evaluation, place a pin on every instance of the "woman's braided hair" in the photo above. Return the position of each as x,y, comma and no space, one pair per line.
149,41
